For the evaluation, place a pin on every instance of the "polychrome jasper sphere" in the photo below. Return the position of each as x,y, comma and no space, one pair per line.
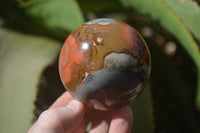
104,63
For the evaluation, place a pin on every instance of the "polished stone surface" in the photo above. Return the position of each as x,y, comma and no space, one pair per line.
104,63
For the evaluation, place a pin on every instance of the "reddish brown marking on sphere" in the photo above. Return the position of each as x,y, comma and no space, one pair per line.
137,45
67,57
127,33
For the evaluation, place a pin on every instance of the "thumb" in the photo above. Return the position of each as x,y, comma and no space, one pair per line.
60,120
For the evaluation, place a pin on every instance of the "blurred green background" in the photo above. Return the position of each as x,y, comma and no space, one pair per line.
33,31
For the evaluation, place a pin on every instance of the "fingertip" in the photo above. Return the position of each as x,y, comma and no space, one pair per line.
85,121
124,112
122,120
62,119
73,114
64,99
101,121
75,106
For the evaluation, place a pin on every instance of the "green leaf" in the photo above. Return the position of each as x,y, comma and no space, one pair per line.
22,60
189,12
159,11
142,108
61,14
93,5
56,14
55,18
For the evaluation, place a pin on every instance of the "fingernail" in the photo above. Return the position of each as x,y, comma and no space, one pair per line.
74,105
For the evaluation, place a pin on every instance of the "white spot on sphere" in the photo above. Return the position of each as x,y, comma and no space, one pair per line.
101,21
99,39
86,74
85,46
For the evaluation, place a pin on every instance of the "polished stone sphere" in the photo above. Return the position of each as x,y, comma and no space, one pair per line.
104,63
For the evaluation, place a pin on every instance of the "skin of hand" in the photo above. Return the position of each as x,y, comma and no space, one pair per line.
68,115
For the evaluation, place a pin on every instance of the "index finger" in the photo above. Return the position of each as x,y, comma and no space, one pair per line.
63,100
122,120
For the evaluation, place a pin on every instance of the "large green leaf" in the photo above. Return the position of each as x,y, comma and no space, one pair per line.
22,60
189,12
93,5
56,15
63,14
159,11
55,18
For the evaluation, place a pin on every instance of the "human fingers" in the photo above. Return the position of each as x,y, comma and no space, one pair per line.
101,121
122,120
60,120
84,123
62,100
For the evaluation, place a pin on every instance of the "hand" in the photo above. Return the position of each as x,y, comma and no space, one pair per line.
67,115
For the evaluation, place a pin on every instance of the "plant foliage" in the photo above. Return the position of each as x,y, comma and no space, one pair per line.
32,33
